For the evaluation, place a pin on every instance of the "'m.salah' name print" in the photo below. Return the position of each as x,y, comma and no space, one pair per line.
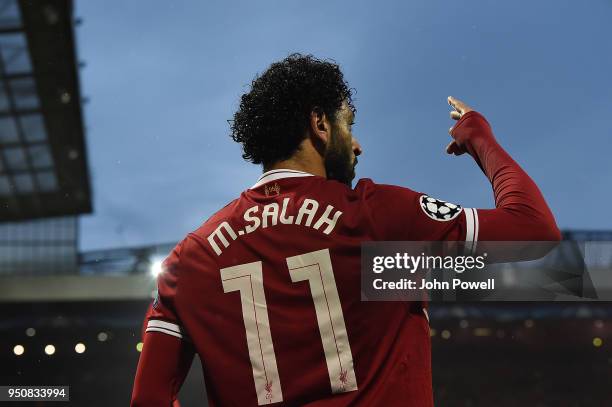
310,214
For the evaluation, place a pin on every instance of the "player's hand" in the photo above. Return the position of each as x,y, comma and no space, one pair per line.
459,109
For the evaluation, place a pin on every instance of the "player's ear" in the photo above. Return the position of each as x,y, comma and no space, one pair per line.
320,127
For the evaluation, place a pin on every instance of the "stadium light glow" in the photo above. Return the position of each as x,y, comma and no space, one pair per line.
529,323
139,346
102,336
30,332
482,332
79,348
49,350
445,334
597,342
18,350
156,267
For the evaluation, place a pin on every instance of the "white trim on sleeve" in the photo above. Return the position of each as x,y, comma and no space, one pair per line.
157,325
471,229
476,228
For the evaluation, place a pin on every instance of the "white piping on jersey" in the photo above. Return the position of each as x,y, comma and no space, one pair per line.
168,328
279,174
471,232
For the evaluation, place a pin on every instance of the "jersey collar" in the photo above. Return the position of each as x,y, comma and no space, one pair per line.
278,174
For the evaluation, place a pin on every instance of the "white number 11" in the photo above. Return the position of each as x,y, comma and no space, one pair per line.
316,268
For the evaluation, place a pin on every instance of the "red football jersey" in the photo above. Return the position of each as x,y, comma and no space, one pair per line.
268,292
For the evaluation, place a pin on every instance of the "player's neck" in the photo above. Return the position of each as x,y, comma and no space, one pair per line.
297,166
311,165
305,159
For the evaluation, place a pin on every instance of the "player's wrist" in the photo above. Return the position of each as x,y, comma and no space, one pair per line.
473,131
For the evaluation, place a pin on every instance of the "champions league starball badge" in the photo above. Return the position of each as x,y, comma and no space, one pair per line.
439,210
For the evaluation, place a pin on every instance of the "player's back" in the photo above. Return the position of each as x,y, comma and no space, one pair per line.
269,292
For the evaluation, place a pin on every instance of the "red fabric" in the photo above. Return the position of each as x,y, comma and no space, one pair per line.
521,212
177,375
389,342
163,365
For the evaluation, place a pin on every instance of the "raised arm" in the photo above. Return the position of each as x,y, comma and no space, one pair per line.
520,213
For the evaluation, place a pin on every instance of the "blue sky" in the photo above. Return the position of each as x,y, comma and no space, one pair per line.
162,79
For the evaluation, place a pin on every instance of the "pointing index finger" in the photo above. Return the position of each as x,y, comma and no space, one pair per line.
453,103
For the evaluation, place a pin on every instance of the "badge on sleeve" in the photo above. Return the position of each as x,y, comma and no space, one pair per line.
439,210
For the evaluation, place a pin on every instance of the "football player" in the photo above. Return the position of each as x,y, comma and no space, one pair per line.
267,290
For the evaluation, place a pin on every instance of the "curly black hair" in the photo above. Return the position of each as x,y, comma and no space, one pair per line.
274,115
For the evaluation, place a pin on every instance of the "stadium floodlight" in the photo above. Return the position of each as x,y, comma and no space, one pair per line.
49,350
30,332
102,336
139,347
79,348
156,266
18,350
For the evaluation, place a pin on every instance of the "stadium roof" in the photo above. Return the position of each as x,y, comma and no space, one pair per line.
43,165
